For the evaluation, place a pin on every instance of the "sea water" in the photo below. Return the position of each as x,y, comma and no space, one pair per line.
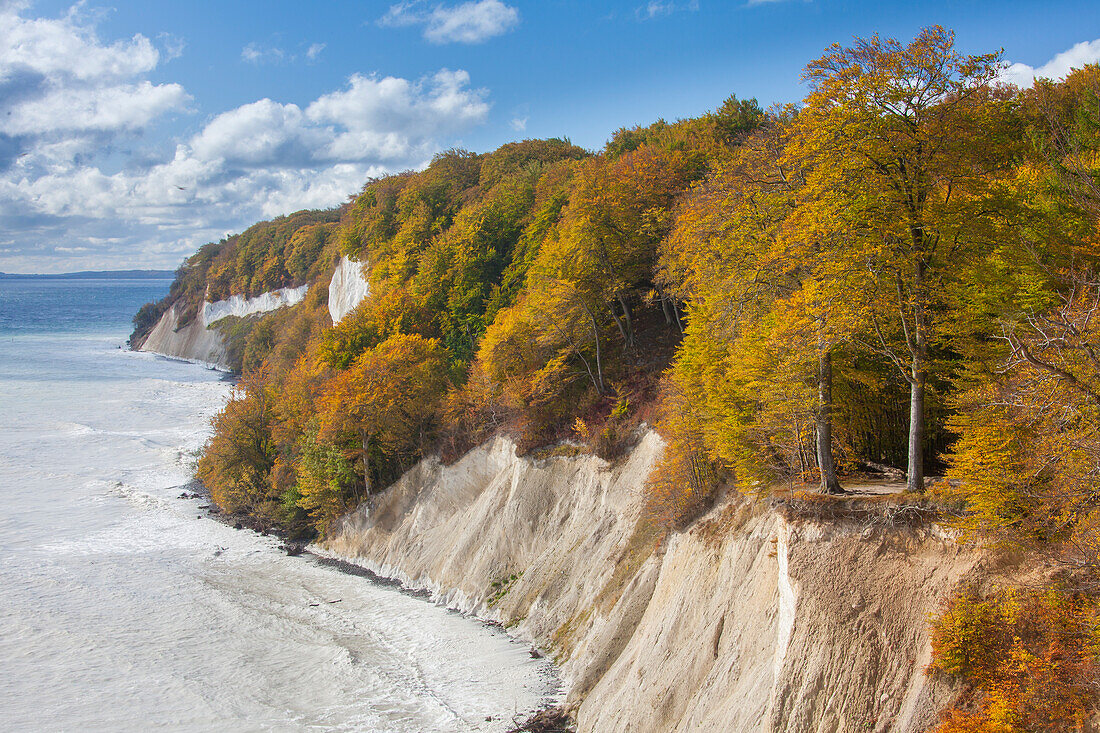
125,607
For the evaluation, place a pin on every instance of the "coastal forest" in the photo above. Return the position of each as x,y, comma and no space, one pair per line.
899,274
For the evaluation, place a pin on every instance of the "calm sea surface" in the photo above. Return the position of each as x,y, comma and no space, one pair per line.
124,608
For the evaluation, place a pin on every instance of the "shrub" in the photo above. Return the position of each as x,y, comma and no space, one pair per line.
1028,659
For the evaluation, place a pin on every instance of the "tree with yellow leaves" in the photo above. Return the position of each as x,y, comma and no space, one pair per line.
382,407
763,283
897,142
240,454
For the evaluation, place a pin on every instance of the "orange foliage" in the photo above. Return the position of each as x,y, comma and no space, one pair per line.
683,484
1028,659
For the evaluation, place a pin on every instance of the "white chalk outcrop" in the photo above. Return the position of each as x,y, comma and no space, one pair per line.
347,289
240,306
194,342
747,622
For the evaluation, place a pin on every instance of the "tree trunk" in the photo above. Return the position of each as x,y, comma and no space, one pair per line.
665,310
366,463
622,326
918,376
676,314
915,472
599,358
670,310
824,427
629,335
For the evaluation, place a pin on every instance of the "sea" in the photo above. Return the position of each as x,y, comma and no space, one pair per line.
126,607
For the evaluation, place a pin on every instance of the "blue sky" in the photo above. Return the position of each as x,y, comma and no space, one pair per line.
133,132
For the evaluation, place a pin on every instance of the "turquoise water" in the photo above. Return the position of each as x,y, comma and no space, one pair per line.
125,608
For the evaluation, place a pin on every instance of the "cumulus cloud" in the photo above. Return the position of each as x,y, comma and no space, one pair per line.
1081,54
65,92
94,109
73,197
380,120
470,22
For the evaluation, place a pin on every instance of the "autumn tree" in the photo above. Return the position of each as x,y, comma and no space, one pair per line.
386,401
239,456
618,214
1027,453
897,139
763,283
735,118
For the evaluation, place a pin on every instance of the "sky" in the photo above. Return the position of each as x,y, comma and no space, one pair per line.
132,132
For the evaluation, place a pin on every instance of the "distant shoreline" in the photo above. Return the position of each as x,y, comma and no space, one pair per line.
93,274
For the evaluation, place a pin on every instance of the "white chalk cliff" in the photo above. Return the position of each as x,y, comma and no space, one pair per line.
347,289
240,306
747,622
195,341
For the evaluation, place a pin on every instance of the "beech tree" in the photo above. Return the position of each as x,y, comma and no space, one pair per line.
386,400
770,287
238,458
897,139
619,213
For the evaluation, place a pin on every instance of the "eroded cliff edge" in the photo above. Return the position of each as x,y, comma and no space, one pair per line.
746,622
195,340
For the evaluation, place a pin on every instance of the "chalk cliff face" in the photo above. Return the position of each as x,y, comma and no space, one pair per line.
238,305
747,622
194,341
347,289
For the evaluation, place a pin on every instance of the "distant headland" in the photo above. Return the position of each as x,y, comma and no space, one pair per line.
96,274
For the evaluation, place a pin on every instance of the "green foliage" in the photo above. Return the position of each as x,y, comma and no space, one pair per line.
147,317
325,476
736,118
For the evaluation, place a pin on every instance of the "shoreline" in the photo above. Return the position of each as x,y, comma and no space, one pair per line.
549,717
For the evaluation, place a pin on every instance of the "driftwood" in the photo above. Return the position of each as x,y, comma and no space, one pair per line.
548,720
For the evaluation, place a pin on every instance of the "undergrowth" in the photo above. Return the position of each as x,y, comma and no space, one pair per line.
1027,659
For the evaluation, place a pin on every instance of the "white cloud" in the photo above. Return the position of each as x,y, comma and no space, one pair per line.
656,8
63,90
396,104
256,134
1081,54
404,14
173,45
104,109
254,53
519,124
72,196
260,53
470,22
63,48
